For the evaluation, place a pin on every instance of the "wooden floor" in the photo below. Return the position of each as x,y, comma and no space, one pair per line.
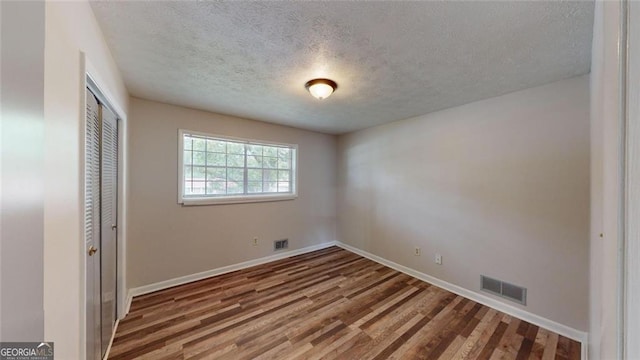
328,304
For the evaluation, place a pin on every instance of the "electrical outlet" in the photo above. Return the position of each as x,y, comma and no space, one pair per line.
255,241
417,252
438,259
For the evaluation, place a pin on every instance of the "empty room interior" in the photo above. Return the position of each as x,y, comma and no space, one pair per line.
320,180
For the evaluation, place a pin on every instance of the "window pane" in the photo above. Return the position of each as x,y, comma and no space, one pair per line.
198,173
270,162
271,151
199,158
234,187
187,142
216,187
197,187
254,150
187,188
187,172
284,162
216,174
284,158
235,148
235,160
283,175
283,187
254,161
254,187
215,159
186,157
284,153
270,175
216,146
234,174
254,175
269,186
199,144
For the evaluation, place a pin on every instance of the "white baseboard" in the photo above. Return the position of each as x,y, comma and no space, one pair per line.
128,304
146,289
540,321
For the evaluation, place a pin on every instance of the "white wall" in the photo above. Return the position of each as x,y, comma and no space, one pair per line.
22,182
605,189
71,34
498,187
167,240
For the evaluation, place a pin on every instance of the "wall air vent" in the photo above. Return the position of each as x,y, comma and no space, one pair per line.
280,244
504,289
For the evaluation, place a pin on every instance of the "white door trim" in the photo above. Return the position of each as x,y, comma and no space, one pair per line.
89,71
122,183
630,273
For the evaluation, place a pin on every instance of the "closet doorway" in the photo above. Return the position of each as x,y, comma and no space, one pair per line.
101,194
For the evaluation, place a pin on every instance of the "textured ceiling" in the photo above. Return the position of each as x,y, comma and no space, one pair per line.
391,60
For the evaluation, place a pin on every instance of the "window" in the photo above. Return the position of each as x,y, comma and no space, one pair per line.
215,169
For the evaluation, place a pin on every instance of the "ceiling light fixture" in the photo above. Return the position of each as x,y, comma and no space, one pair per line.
321,88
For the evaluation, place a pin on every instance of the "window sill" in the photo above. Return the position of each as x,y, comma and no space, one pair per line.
236,200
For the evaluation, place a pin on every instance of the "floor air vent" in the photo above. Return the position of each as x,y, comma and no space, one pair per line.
280,244
504,289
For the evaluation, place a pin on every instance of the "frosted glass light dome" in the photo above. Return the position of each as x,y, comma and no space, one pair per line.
321,88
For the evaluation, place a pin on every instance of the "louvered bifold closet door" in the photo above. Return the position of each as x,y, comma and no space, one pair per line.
92,224
109,183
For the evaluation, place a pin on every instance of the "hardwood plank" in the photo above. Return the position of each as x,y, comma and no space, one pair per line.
539,344
484,329
327,304
452,349
451,332
416,346
395,327
562,351
550,348
527,342
353,348
510,342
400,316
574,350
492,343
492,323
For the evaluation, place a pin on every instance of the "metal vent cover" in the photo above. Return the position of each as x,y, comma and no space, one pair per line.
504,289
280,244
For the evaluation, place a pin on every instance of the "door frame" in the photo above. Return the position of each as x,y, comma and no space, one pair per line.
630,270
92,80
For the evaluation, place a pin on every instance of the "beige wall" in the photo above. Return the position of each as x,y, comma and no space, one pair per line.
71,30
498,187
167,240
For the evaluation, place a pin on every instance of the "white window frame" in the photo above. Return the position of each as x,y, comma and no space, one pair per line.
234,199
